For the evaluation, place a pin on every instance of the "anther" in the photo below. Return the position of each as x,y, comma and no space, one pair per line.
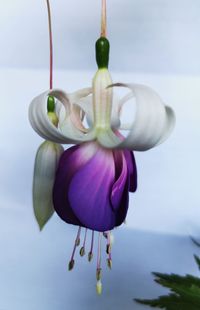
108,249
106,233
77,241
72,261
98,274
82,250
109,263
71,264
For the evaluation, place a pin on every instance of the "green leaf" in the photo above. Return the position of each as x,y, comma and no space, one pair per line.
168,280
195,241
170,302
185,292
197,259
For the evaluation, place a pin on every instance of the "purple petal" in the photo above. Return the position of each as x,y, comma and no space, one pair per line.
131,164
92,186
71,161
89,192
120,179
122,210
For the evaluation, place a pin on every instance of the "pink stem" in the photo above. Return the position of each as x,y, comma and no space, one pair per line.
85,238
50,46
103,19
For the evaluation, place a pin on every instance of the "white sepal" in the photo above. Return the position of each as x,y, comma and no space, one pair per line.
43,126
46,162
152,124
85,104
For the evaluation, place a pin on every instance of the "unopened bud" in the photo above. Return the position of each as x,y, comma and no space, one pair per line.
82,251
99,287
50,104
71,264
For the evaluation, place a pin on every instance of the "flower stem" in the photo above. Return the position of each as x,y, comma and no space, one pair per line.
103,19
50,47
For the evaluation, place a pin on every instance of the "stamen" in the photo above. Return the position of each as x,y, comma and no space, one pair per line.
99,251
98,271
77,242
90,254
103,19
82,250
108,250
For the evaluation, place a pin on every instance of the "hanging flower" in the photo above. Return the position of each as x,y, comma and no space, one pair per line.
92,179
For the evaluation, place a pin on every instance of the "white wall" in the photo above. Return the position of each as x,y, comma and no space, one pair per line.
146,35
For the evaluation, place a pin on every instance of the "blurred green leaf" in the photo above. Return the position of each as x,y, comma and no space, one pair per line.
197,259
185,292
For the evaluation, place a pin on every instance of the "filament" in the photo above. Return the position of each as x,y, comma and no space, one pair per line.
90,254
85,237
99,252
77,241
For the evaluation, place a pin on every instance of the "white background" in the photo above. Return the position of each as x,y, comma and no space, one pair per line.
154,42
159,36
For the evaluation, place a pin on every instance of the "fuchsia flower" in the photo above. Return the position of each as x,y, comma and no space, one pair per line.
88,185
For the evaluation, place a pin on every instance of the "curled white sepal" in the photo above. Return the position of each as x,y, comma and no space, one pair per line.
86,104
152,124
46,162
76,112
68,132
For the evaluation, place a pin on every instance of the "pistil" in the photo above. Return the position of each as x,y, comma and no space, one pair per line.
98,271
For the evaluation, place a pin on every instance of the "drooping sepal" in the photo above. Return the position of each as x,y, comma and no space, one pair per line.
46,162
152,123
